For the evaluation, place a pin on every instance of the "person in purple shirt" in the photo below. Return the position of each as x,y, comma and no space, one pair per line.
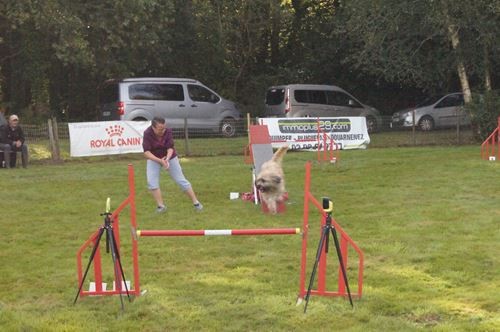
158,146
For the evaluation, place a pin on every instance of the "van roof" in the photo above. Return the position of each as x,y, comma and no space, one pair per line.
150,79
154,79
308,86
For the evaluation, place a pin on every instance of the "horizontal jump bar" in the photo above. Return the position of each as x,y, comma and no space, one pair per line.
213,232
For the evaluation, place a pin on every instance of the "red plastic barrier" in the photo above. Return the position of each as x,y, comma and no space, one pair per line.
218,232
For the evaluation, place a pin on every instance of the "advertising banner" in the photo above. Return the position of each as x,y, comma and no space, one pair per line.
302,133
106,137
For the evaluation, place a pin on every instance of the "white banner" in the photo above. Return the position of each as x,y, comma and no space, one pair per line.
106,137
302,133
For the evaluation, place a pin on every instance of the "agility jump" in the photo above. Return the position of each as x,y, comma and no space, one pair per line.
490,149
216,232
121,288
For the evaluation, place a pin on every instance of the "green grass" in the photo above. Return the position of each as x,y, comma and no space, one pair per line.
217,146
426,219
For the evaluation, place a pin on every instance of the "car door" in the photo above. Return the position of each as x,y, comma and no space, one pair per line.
202,108
449,109
171,104
141,101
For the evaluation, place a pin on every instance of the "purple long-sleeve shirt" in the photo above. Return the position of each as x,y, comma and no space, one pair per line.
158,146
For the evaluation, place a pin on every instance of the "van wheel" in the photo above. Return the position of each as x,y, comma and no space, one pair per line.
371,124
228,127
426,123
140,119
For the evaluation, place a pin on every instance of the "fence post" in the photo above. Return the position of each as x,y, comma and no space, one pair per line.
248,127
186,137
413,129
54,140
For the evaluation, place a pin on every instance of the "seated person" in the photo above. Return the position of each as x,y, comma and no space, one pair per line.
12,140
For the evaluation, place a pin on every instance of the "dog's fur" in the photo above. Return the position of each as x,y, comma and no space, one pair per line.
270,181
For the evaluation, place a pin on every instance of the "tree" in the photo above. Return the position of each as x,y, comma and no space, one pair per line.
421,42
55,53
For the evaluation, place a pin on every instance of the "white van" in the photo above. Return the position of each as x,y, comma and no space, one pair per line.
308,100
175,99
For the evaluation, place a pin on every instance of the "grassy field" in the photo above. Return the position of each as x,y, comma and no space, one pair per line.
197,146
426,219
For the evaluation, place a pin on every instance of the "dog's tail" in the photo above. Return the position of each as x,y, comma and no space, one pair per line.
278,155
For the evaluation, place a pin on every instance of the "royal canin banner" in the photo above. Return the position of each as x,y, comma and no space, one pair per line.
106,137
302,133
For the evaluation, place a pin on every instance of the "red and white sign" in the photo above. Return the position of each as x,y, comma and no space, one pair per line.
106,137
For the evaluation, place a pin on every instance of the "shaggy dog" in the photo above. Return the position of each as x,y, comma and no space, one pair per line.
270,181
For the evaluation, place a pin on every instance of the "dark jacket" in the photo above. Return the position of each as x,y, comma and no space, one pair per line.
9,135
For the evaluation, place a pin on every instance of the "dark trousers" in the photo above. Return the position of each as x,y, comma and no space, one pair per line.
9,155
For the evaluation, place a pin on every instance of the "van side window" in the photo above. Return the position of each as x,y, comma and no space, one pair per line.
338,98
141,92
199,93
170,92
317,97
156,92
301,96
310,96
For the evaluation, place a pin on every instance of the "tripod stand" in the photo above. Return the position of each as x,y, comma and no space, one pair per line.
110,244
327,228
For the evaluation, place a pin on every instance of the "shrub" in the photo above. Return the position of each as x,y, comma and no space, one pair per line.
484,111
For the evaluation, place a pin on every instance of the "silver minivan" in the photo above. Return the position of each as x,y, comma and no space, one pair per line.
308,100
438,111
175,99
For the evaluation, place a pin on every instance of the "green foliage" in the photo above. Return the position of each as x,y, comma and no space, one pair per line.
428,232
390,47
54,54
484,111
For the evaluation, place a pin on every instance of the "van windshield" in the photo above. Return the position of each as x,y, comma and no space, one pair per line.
275,96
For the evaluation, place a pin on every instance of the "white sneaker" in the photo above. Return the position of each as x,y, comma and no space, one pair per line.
198,206
161,209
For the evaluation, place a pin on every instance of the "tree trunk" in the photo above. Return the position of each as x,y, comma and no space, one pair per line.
275,34
487,75
462,74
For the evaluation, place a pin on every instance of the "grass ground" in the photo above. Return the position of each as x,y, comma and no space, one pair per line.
426,219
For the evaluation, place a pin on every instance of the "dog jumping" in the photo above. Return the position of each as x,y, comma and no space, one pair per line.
270,181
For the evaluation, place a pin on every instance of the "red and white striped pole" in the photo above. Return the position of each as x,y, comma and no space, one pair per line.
216,232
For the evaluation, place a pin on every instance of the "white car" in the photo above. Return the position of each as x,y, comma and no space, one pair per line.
435,112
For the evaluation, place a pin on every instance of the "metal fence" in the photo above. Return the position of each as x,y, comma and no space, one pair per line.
211,142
